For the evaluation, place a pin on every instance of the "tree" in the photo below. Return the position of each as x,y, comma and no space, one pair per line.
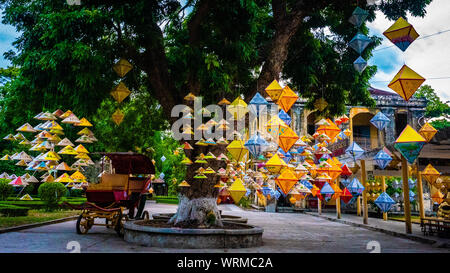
435,107
205,47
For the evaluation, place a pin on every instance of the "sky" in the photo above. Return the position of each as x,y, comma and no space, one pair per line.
429,57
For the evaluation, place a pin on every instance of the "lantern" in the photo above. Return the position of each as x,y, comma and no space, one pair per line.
120,92
122,67
256,145
275,164
436,195
330,130
355,187
406,82
346,196
359,42
238,108
382,159
288,139
287,98
237,190
284,117
380,121
286,180
384,202
274,90
409,144
359,15
430,174
117,117
355,151
237,150
427,131
257,104
401,33
360,64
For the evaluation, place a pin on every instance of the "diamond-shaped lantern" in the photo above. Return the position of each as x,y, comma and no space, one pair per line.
117,117
237,149
346,196
359,42
384,202
237,190
284,117
436,195
256,145
287,139
122,67
409,144
274,90
257,104
355,151
355,187
286,180
406,82
360,64
359,15
401,33
331,130
287,98
382,159
427,131
120,92
275,164
430,174
238,108
380,121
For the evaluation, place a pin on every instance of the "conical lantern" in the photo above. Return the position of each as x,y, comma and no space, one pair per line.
427,131
430,174
409,144
117,117
406,82
274,90
122,67
238,108
287,98
401,33
120,92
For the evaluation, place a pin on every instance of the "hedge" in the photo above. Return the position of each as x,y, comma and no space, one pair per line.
167,199
13,211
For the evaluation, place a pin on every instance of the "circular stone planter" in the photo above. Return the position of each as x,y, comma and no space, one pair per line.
228,218
248,236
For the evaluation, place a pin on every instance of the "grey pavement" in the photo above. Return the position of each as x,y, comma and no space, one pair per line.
283,232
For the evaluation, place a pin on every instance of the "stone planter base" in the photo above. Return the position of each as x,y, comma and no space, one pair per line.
227,218
192,238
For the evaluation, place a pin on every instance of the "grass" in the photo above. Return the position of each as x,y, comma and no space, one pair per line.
414,218
36,216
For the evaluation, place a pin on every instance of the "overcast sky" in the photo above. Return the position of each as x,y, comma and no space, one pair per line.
430,57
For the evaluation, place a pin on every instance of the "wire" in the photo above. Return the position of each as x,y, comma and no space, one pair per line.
420,38
438,78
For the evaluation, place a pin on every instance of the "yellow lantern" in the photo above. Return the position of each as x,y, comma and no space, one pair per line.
427,131
122,67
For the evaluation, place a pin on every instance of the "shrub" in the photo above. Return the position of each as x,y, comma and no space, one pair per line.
51,193
5,189
28,189
13,211
76,193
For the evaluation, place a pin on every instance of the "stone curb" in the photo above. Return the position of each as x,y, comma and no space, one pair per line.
28,226
389,232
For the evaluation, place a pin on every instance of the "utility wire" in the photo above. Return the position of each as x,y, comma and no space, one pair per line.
420,38
438,78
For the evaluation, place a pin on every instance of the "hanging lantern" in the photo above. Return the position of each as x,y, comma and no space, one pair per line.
224,101
359,42
275,164
284,117
380,121
287,98
359,15
355,151
117,117
238,108
355,187
401,33
257,104
237,190
320,104
409,144
436,195
427,131
120,92
237,149
275,127
346,172
122,67
384,202
287,139
406,82
430,174
360,64
256,145
274,90
330,130
382,159
286,180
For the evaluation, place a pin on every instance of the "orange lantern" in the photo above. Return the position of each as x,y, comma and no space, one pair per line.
286,180
427,131
287,99
287,139
430,174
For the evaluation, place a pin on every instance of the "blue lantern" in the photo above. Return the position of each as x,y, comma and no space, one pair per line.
355,187
284,117
411,183
256,145
380,121
360,64
286,156
247,193
355,151
412,196
359,42
266,190
276,194
345,182
359,15
257,104
382,159
307,184
327,189
384,202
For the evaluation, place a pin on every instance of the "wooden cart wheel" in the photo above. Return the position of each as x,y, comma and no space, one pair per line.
83,225
119,224
146,215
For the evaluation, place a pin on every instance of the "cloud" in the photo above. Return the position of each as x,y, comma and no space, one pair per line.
8,35
430,57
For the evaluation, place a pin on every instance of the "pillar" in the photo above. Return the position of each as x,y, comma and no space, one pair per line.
358,205
319,205
364,182
420,192
383,186
407,205
338,202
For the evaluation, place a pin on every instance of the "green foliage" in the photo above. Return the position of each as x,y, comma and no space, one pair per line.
440,124
435,107
211,218
28,189
245,202
51,194
76,193
167,199
13,211
5,189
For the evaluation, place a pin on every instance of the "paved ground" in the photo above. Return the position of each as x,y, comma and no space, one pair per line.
283,232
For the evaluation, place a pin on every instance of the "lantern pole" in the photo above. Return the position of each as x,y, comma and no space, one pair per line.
358,205
383,186
363,178
338,202
420,192
406,203
319,205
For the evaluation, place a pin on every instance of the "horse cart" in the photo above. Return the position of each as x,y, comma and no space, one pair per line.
118,194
